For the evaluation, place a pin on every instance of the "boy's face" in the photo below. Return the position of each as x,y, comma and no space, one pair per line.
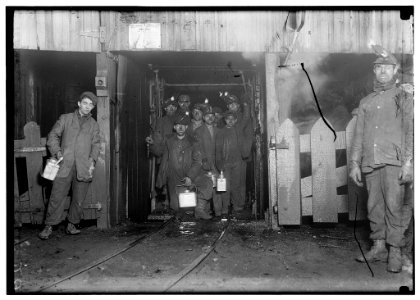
180,129
233,106
197,114
85,106
230,121
209,119
184,104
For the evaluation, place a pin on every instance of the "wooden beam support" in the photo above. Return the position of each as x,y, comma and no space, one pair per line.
105,67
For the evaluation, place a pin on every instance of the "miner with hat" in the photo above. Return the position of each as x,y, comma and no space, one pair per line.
164,126
197,117
206,135
184,102
75,141
243,125
382,150
181,168
218,117
229,159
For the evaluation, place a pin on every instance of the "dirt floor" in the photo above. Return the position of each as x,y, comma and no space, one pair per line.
140,258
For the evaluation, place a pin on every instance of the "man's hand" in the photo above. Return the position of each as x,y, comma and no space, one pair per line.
406,172
356,175
59,155
149,140
187,181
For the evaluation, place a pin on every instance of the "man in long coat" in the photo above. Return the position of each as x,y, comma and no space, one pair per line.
206,135
382,149
181,168
75,139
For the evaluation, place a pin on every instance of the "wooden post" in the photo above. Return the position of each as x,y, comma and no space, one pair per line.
324,200
288,174
356,194
105,67
272,60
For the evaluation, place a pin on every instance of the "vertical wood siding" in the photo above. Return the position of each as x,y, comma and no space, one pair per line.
260,31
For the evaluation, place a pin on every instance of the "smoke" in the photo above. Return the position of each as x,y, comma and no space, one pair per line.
293,89
253,57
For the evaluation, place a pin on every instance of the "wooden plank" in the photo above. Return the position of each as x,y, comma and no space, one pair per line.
341,176
324,205
34,166
271,61
356,194
272,184
306,186
342,204
306,206
288,175
188,32
119,167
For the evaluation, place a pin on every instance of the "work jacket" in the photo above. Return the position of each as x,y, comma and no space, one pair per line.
226,138
207,146
384,130
181,158
245,126
164,127
77,144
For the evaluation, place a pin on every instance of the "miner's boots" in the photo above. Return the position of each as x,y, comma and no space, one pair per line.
378,252
200,210
394,260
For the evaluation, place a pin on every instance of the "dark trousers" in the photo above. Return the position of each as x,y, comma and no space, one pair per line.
233,192
408,216
60,189
385,205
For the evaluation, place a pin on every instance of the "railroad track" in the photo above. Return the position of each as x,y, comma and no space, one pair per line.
169,285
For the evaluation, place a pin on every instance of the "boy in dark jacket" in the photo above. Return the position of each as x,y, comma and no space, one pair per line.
181,168
74,139
229,159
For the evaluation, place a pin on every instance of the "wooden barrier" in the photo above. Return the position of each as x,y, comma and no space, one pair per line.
318,193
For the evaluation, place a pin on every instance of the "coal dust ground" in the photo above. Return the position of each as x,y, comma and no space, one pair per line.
248,258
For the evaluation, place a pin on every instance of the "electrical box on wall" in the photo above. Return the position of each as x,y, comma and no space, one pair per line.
100,83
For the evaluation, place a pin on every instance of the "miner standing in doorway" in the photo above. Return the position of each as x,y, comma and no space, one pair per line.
184,103
181,168
206,135
164,127
197,118
243,126
383,150
75,139
229,157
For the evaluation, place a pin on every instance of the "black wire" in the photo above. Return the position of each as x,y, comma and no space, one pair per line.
317,104
354,232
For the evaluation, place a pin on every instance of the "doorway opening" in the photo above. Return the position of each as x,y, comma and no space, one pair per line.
146,79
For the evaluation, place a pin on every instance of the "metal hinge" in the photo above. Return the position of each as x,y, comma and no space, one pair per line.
101,34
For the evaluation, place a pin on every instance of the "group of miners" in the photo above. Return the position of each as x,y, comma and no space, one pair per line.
194,146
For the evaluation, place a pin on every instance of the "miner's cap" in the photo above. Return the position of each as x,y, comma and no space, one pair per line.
169,101
389,60
183,119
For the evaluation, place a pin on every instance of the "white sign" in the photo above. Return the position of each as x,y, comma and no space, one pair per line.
144,35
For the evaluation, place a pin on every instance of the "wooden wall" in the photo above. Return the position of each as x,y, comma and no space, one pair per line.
341,31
